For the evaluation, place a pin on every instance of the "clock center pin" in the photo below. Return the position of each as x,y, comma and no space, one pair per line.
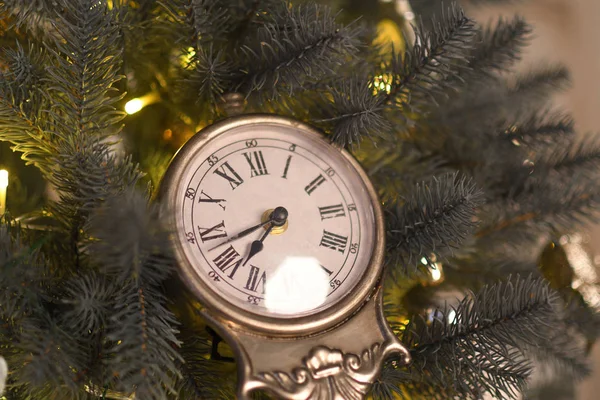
279,216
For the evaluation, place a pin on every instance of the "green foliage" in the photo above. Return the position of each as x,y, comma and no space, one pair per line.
485,342
437,217
140,329
84,300
354,112
298,45
500,46
425,70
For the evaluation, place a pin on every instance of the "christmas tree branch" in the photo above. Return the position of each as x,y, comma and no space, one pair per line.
299,45
540,128
21,101
131,246
352,112
484,338
438,216
425,69
500,46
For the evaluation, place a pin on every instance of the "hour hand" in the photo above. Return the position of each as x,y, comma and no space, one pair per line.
257,246
241,234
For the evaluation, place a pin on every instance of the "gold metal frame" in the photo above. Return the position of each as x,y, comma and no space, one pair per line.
232,315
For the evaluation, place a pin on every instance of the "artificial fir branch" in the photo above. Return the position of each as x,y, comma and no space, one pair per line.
576,158
545,127
386,385
89,298
498,47
425,69
141,328
539,83
354,112
34,15
47,359
200,376
298,45
546,207
438,216
486,331
97,284
21,102
209,77
81,78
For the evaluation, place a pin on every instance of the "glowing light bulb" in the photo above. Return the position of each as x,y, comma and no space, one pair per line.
3,178
133,106
3,186
436,274
452,317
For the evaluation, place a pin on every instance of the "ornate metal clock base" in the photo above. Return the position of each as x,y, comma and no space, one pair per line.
341,363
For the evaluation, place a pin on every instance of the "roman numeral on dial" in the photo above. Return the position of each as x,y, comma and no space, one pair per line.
334,241
314,184
255,278
216,232
228,259
209,199
226,172
258,166
332,211
287,167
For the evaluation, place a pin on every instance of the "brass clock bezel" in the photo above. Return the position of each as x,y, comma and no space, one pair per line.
231,314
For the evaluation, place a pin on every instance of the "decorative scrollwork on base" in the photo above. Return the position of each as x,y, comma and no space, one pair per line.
329,374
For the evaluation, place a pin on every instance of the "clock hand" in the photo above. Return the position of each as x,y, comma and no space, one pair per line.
243,233
257,246
278,218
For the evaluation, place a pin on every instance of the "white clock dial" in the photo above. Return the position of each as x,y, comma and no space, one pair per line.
306,262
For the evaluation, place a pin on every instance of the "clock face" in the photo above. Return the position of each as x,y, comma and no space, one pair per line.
274,219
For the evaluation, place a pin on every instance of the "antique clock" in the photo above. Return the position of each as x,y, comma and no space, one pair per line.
279,235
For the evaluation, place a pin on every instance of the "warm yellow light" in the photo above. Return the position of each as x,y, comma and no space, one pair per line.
388,35
3,186
187,57
436,274
382,83
451,316
3,178
134,106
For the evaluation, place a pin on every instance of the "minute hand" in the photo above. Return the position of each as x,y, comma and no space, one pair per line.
243,233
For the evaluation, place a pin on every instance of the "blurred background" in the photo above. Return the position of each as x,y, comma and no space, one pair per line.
567,32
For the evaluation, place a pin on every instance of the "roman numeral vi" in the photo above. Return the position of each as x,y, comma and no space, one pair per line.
254,280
